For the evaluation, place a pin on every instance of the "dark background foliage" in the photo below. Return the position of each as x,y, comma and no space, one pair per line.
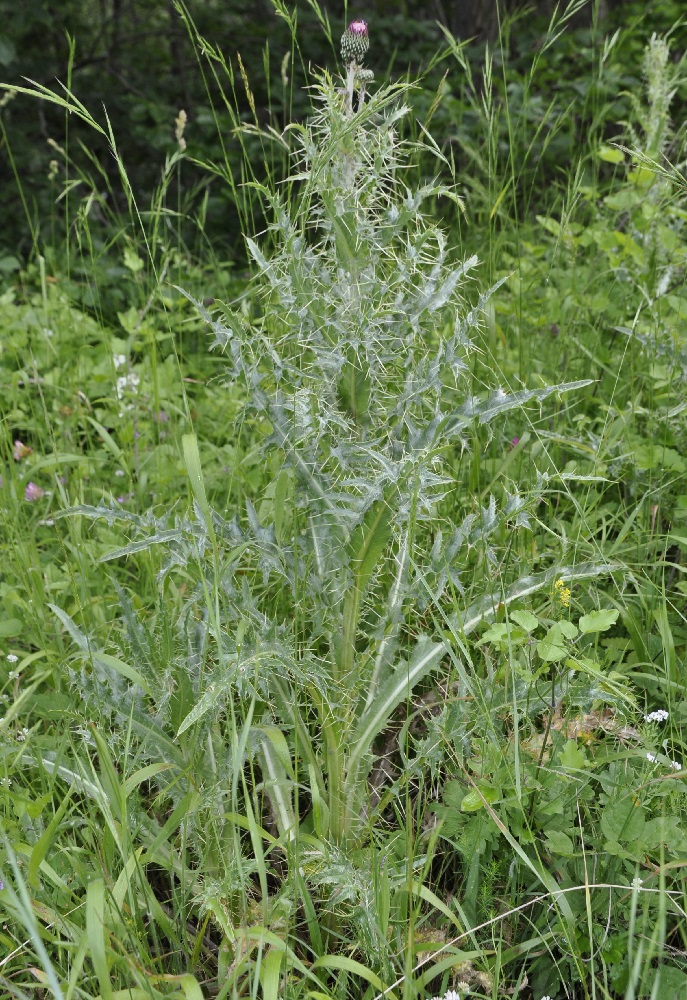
134,59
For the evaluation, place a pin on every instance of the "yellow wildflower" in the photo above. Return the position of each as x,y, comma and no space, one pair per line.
561,593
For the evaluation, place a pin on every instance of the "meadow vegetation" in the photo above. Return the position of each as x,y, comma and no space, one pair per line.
342,631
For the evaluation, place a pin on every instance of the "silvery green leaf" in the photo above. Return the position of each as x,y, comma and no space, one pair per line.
394,689
437,298
74,631
501,402
159,538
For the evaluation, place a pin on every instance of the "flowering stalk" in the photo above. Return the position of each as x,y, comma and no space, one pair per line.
354,44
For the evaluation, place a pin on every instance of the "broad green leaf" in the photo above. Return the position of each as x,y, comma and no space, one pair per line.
610,155
567,629
559,843
598,621
495,633
525,619
320,809
572,756
552,647
189,984
475,800
9,627
132,261
654,456
623,821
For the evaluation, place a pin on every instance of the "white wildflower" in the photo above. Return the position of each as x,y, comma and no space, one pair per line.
11,658
676,765
660,715
6,782
22,734
119,360
127,383
119,473
651,757
637,883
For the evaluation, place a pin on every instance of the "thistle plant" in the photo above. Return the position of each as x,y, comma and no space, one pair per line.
656,213
355,375
358,366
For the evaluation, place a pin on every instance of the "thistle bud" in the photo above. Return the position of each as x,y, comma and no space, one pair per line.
354,42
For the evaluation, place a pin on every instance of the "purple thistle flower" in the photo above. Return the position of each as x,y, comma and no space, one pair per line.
354,42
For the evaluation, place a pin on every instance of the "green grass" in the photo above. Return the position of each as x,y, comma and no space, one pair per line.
232,764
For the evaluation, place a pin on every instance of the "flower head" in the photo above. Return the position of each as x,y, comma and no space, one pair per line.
127,383
20,450
33,492
179,126
660,715
11,658
354,42
561,593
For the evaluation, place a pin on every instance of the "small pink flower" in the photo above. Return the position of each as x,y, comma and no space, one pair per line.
20,451
358,28
33,492
515,442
